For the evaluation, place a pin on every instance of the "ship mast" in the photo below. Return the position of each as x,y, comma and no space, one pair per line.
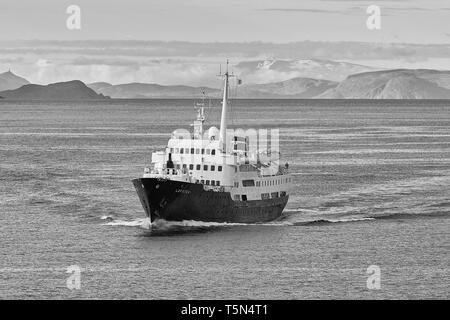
223,119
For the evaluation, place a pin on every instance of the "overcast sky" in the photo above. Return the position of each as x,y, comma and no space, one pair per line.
412,21
414,33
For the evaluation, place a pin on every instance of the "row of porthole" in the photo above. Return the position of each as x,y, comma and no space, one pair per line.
193,151
199,167
272,182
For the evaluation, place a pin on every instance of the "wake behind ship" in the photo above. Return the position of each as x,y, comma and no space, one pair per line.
214,176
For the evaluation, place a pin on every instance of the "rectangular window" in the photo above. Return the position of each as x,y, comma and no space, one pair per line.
203,151
198,167
248,183
205,167
244,197
219,168
213,168
171,150
197,151
213,182
274,194
181,150
176,150
186,150
208,151
265,196
178,166
217,183
213,151
207,182
191,167
202,181
192,150
237,197
184,166
283,194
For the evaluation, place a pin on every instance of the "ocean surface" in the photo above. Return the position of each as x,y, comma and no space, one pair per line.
372,188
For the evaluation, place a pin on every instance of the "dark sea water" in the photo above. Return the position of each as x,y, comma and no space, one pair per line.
372,187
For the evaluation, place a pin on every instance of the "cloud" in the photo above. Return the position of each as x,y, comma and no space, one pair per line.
191,63
302,10
43,63
127,52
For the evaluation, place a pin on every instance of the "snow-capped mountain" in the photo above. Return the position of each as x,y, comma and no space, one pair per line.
266,71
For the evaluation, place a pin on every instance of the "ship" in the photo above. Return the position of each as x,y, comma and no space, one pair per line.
215,175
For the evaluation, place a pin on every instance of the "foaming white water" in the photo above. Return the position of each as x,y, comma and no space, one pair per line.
143,223
161,223
350,219
164,224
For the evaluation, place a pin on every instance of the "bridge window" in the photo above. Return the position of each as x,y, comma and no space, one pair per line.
219,168
248,183
265,196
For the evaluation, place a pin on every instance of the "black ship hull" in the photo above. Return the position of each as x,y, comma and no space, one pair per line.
175,201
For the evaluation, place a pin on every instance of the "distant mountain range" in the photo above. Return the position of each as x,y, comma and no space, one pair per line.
71,90
384,84
389,84
150,90
302,88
